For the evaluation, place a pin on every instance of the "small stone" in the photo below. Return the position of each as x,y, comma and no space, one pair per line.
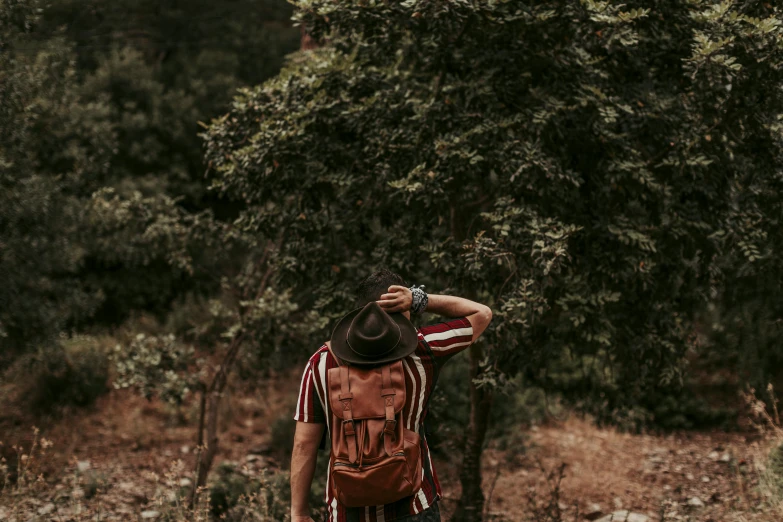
83,465
46,509
705,479
150,514
695,502
714,455
618,502
562,506
185,482
593,512
725,458
624,516
689,476
185,450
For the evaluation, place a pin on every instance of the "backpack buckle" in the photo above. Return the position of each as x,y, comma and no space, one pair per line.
351,430
387,429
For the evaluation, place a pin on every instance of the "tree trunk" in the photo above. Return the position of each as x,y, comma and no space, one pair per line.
471,504
210,397
210,408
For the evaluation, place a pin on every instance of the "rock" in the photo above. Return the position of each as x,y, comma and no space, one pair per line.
46,509
705,479
714,455
725,458
624,516
562,506
83,465
690,476
185,482
184,450
135,493
593,512
150,514
695,502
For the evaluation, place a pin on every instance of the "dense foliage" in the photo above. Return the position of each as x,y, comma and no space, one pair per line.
100,160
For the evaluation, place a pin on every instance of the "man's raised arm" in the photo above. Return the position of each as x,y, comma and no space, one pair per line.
478,314
399,300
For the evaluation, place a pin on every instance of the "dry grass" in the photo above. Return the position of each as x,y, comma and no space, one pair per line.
652,475
766,420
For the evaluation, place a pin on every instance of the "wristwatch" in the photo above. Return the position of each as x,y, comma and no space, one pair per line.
420,299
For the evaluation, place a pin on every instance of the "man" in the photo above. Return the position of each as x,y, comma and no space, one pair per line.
436,344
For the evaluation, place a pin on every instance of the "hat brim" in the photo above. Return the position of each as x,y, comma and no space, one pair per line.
408,341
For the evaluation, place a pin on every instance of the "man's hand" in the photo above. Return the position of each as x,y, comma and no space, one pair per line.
399,299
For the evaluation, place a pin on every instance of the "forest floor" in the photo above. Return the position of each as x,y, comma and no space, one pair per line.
126,454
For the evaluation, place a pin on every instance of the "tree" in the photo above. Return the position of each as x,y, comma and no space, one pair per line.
109,95
38,214
585,168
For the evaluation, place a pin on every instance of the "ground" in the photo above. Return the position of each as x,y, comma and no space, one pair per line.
127,455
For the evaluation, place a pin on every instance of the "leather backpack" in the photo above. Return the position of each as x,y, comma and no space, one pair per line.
374,459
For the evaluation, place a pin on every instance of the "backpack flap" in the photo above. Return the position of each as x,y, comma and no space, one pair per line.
367,385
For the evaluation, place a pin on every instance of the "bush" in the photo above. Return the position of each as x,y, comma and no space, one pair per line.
775,469
281,439
157,365
234,495
228,487
72,372
449,409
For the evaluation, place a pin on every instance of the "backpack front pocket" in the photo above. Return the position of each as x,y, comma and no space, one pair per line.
374,484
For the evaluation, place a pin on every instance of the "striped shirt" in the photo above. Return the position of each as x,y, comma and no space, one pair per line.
437,344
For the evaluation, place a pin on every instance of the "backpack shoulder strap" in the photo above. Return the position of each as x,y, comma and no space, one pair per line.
345,398
336,359
388,392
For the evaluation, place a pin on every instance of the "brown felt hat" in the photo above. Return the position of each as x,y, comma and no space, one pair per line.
369,335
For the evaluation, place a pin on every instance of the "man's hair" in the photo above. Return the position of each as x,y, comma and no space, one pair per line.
375,285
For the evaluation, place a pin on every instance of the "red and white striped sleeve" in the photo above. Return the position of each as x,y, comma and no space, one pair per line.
449,338
308,406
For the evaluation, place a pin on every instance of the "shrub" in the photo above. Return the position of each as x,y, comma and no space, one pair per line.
235,495
775,468
71,372
449,409
156,365
228,487
281,439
